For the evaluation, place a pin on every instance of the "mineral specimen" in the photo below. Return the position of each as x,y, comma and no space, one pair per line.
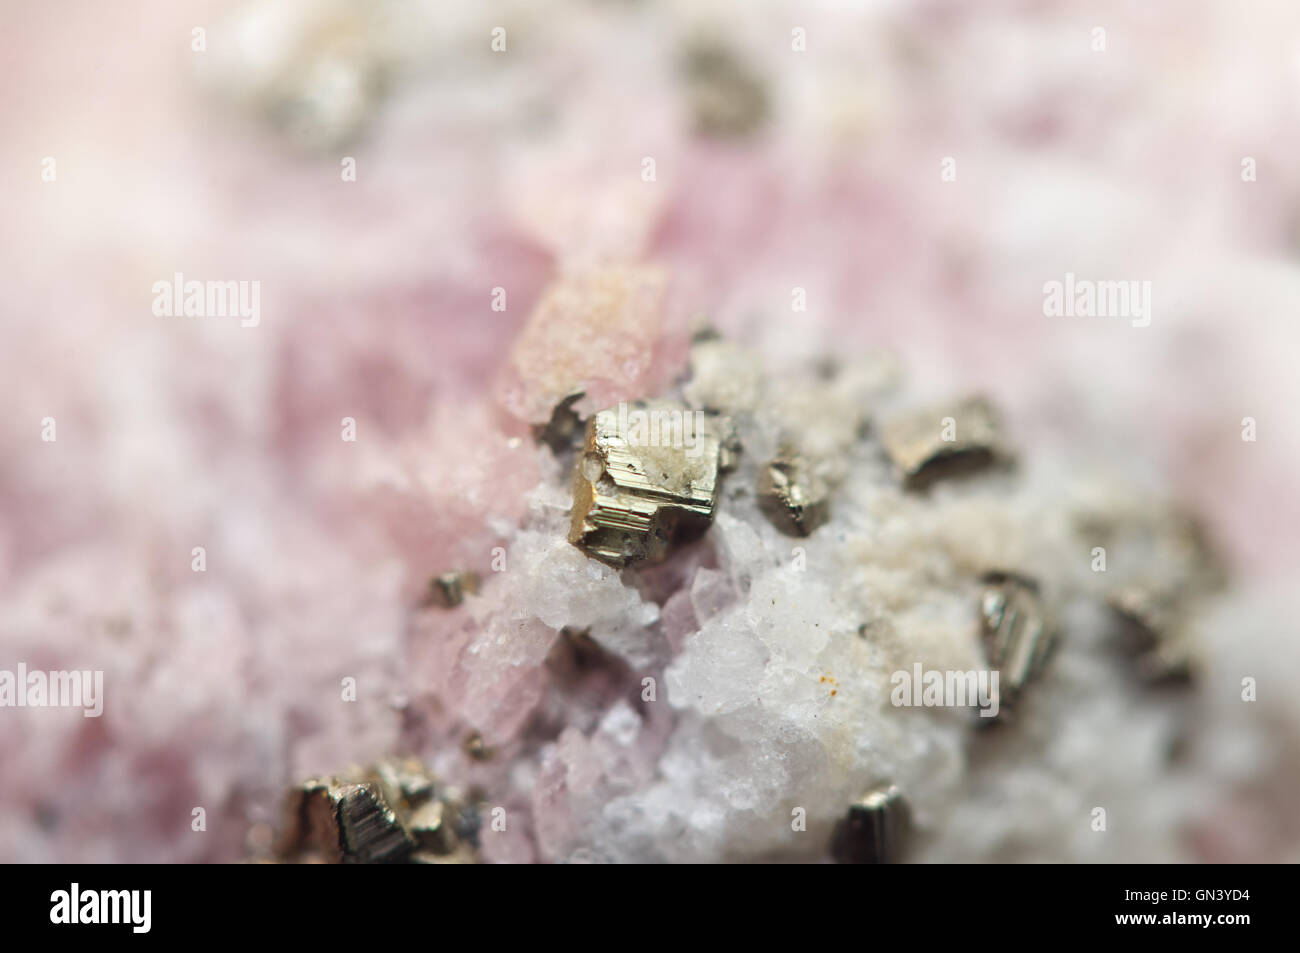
792,496
475,747
564,428
943,441
448,589
523,169
344,822
404,781
1154,615
394,813
875,830
1151,632
647,476
1017,633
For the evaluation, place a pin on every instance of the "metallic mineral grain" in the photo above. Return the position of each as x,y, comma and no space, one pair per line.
647,476
564,430
1151,631
394,812
875,830
1019,635
793,498
448,589
340,822
944,441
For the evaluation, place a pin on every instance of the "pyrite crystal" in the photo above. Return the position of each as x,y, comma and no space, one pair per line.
875,829
448,589
647,476
944,441
1152,632
1155,618
347,823
564,429
791,496
1017,632
394,813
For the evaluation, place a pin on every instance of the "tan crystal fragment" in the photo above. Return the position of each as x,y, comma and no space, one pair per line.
792,496
1152,631
404,782
648,475
1155,617
943,441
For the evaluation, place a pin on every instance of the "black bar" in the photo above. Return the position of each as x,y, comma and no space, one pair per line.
997,903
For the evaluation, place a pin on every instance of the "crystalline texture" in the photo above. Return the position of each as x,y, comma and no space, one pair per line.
348,823
874,830
943,441
1017,633
647,476
793,497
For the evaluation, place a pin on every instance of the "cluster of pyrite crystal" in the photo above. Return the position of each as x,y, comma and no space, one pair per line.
395,812
649,473
633,501
647,476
